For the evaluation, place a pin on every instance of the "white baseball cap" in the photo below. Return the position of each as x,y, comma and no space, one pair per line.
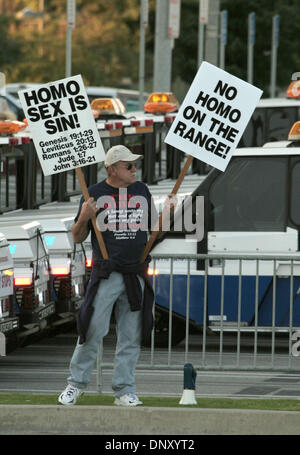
119,153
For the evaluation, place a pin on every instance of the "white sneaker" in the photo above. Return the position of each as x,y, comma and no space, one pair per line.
130,399
69,395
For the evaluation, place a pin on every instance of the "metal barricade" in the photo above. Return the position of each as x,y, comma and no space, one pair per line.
23,185
267,340
173,162
17,173
66,185
41,186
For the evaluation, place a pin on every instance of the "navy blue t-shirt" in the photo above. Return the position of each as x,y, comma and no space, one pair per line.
124,217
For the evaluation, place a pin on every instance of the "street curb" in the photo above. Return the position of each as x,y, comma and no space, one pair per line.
112,420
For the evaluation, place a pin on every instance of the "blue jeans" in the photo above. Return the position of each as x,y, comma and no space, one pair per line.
129,330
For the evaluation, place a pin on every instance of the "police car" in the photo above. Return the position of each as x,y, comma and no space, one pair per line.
252,211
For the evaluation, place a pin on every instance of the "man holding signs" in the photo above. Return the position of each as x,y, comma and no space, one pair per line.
65,136
123,210
208,126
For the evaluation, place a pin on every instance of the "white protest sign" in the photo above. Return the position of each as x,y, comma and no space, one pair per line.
213,116
62,125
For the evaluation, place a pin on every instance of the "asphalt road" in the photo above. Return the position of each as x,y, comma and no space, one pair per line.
42,367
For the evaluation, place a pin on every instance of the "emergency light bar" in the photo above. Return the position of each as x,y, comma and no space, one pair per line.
294,134
11,126
293,90
161,102
107,106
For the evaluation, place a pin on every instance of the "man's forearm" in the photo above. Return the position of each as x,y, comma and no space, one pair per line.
80,231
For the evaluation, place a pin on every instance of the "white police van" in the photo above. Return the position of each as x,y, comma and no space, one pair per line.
70,209
67,263
271,121
273,117
9,322
33,304
251,209
66,259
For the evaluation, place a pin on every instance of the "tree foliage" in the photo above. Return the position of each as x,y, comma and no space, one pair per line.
11,48
105,41
288,55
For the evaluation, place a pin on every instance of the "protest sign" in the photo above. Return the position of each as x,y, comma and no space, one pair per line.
213,116
210,123
62,125
64,131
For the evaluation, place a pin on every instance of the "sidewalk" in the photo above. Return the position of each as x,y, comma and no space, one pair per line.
112,420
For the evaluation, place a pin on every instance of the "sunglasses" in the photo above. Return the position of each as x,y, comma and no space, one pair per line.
129,166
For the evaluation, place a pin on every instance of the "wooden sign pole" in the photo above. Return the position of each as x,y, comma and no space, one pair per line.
86,196
158,225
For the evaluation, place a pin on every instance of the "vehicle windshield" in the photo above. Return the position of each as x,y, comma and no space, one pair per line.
250,196
269,125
